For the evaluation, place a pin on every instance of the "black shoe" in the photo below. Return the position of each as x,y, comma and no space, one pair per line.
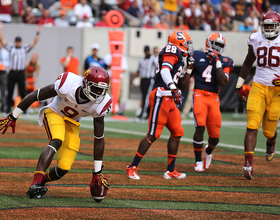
36,191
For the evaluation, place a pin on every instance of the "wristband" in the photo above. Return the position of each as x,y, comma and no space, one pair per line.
37,33
17,111
189,71
97,166
218,64
172,86
240,82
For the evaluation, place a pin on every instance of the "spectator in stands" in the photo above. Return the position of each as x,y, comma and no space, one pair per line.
5,11
179,24
194,17
215,24
68,5
102,22
241,8
246,27
254,21
150,20
156,6
275,5
70,63
103,6
209,15
226,9
46,19
93,59
227,24
61,20
124,4
45,4
163,24
134,9
18,7
81,9
84,23
28,17
217,5
170,9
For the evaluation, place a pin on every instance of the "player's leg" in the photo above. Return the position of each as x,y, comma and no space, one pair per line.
256,105
270,121
213,124
176,132
55,128
200,111
157,120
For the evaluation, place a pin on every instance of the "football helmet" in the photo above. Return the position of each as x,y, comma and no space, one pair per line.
182,40
215,42
96,84
270,24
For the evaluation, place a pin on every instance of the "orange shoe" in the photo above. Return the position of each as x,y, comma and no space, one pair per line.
173,175
132,173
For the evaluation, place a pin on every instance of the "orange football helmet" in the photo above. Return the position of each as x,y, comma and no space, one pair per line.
215,42
182,40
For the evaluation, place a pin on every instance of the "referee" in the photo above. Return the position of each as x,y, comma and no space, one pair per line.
146,71
18,56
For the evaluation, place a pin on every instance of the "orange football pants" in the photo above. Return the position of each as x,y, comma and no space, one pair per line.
206,110
164,113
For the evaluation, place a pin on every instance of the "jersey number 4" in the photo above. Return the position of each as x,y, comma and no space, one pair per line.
207,73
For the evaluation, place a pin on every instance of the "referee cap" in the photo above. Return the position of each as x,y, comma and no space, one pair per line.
146,48
17,39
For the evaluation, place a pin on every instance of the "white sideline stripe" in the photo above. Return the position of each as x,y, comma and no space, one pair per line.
35,118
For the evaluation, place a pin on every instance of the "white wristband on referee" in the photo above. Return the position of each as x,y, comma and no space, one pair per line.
17,111
218,64
240,82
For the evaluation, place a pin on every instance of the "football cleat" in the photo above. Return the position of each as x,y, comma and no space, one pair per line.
198,167
132,172
207,159
173,175
270,151
36,191
247,171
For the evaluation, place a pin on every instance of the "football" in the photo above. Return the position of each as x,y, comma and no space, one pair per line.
98,191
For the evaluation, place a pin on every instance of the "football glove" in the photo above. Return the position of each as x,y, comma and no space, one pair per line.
177,96
242,94
9,121
100,179
276,81
213,55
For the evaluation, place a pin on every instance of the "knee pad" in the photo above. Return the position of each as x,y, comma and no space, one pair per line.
56,173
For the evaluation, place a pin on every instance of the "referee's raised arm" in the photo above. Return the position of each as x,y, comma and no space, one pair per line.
33,43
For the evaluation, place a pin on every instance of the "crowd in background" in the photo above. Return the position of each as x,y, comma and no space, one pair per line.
208,15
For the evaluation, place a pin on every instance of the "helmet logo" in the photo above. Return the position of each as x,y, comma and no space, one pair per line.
86,73
180,36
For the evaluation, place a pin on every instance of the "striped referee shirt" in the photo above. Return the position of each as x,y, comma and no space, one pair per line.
147,67
17,56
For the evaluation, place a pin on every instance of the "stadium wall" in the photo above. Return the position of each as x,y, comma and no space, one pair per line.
53,42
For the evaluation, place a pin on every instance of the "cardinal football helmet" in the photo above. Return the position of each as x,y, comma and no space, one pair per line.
270,24
96,84
182,40
215,42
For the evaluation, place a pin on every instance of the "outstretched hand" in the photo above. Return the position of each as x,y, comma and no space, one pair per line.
9,121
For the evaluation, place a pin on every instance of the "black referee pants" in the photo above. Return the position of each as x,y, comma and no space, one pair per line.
13,78
146,88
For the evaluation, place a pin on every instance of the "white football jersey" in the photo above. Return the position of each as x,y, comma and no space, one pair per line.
267,54
66,105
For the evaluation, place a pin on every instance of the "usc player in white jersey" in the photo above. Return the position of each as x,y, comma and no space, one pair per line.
263,102
74,97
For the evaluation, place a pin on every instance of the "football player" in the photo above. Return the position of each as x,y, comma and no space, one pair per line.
263,103
74,97
163,100
211,71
